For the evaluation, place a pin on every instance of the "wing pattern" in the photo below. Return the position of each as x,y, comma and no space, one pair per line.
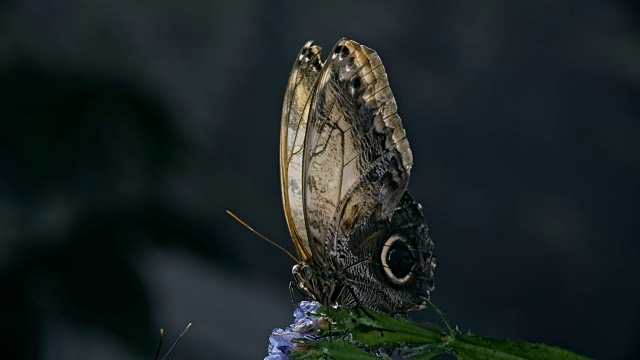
354,134
295,113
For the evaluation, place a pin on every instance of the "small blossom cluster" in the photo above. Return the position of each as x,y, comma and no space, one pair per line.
305,326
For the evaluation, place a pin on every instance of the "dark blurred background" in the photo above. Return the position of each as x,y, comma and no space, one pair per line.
127,128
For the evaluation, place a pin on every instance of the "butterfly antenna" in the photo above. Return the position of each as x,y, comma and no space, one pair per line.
262,236
174,344
160,344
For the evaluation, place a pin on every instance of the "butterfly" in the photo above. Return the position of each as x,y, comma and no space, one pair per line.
361,239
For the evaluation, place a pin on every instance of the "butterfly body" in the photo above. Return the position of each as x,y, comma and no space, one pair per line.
345,163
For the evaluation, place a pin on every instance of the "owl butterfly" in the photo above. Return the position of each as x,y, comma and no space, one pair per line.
360,237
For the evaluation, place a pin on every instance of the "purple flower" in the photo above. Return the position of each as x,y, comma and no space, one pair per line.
305,327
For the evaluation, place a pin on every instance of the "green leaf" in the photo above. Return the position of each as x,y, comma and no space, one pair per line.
377,329
353,330
332,349
476,347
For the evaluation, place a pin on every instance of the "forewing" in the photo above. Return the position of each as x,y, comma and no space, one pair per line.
295,113
354,135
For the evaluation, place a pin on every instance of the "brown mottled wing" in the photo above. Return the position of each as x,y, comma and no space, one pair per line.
295,113
354,136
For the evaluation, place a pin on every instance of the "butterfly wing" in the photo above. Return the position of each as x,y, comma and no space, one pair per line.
295,113
356,170
354,133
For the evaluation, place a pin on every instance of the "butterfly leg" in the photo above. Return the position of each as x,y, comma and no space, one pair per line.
358,303
329,320
292,286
